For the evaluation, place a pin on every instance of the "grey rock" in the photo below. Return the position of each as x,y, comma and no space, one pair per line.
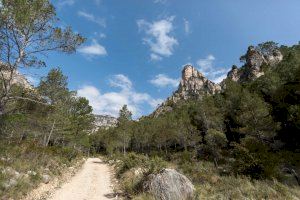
46,178
254,60
104,121
170,185
193,84
11,183
17,78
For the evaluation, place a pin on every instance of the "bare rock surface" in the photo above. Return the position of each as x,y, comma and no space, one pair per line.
170,185
193,84
104,121
255,59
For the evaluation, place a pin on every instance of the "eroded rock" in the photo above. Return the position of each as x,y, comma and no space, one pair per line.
170,185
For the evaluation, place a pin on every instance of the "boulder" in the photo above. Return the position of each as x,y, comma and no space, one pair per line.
170,185
45,178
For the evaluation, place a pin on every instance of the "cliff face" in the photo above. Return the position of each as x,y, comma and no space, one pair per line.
14,76
193,84
255,59
104,121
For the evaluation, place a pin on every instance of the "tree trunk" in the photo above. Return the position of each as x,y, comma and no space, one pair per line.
216,162
50,134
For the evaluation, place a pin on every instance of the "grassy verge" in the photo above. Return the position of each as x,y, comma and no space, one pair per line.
211,183
24,166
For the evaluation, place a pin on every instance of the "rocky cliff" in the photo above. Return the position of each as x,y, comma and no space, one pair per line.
104,121
15,77
195,85
255,59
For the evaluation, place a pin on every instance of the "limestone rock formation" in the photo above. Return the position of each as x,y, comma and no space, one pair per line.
104,121
255,59
193,84
170,185
14,76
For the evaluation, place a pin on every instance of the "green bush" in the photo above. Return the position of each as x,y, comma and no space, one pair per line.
255,159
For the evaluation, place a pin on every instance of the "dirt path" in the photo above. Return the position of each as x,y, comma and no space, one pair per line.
92,182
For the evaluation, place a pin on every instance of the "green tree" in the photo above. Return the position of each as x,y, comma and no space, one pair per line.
254,118
215,141
53,88
27,29
124,119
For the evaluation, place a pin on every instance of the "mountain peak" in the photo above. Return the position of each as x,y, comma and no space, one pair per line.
193,85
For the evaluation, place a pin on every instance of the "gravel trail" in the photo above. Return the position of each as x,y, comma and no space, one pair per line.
92,182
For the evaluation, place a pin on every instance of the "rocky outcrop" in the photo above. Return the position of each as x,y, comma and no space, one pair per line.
104,121
193,84
255,59
170,185
14,76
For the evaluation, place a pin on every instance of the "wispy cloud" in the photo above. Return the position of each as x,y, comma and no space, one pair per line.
92,18
206,66
62,3
158,37
162,80
111,102
94,49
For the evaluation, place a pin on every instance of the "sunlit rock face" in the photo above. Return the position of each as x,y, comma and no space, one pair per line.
15,77
193,84
254,62
104,121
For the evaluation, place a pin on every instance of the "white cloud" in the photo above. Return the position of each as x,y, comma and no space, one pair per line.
120,81
32,79
187,29
111,102
94,49
206,66
62,3
162,80
219,78
155,57
158,37
92,18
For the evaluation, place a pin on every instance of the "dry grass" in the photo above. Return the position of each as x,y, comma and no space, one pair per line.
23,165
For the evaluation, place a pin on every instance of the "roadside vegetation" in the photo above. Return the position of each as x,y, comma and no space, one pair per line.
43,129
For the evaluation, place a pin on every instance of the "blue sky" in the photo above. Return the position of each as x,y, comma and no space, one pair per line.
135,49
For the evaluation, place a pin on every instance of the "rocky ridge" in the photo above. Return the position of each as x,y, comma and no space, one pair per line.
194,85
